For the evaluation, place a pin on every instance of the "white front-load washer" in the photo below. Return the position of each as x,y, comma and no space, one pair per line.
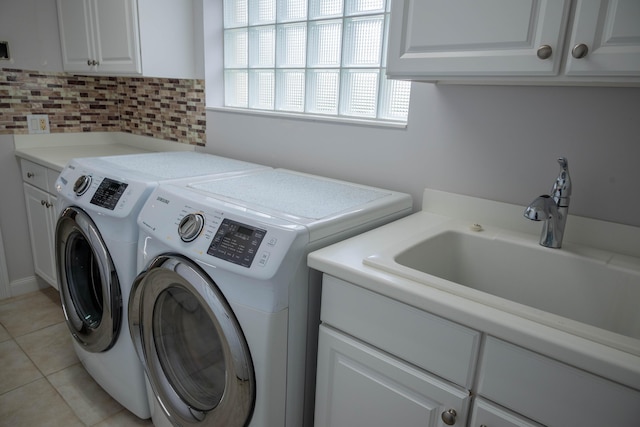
225,312
96,255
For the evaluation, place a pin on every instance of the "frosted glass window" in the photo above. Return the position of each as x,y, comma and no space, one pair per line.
317,57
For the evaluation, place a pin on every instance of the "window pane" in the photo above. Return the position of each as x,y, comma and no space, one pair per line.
235,48
292,10
363,41
322,91
359,93
235,13
262,47
394,99
292,45
353,7
262,12
325,42
236,88
261,89
290,90
325,9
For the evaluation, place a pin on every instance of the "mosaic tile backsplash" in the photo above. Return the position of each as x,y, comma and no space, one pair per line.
169,109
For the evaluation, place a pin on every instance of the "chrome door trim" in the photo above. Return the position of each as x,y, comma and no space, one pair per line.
171,271
73,226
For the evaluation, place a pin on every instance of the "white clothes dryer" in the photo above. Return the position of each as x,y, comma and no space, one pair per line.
98,203
225,312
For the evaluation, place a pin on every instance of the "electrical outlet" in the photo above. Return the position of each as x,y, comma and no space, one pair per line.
38,123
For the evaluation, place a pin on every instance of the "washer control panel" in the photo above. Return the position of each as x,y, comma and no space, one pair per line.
108,193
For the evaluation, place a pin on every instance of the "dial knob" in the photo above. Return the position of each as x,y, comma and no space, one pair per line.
82,185
190,227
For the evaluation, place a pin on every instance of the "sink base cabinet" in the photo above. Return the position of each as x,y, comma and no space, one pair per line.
359,386
385,363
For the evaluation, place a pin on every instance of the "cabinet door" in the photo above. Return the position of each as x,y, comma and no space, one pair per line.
610,30
74,19
116,36
41,218
431,38
358,386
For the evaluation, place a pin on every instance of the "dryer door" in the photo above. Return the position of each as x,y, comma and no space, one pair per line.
191,344
89,287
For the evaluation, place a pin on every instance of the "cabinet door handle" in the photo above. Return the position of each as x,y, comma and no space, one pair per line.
544,51
579,51
48,205
42,202
449,417
30,174
92,62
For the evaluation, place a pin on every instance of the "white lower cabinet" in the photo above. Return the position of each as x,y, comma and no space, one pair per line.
41,218
384,363
359,386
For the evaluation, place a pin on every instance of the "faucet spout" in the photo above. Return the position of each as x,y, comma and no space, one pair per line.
553,209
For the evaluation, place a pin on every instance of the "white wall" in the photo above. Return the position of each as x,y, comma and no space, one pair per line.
494,142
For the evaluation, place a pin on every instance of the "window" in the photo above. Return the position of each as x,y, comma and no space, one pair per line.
319,57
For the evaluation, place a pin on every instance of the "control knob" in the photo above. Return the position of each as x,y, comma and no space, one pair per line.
82,185
190,227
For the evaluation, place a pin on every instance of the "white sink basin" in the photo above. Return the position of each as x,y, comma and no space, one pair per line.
581,290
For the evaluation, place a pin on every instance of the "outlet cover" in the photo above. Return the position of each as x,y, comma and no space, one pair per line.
38,123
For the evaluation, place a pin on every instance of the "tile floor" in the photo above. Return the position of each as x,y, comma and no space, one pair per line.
42,382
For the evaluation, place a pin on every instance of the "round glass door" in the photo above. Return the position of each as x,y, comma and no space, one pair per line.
196,357
90,292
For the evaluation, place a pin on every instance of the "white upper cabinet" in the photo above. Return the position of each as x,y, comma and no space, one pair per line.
128,37
508,41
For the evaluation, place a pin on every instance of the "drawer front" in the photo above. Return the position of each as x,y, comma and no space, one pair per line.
34,174
488,414
551,392
444,348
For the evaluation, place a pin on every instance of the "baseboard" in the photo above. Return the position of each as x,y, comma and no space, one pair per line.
25,285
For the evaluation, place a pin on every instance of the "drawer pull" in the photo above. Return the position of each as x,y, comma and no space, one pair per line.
449,417
544,52
30,174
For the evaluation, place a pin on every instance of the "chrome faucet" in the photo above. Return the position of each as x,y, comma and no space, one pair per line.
553,209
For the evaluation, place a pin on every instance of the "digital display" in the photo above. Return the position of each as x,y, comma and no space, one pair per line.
108,193
237,243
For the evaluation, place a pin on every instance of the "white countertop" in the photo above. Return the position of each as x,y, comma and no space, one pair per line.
55,150
345,261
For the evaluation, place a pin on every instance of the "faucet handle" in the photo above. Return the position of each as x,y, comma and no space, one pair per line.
561,189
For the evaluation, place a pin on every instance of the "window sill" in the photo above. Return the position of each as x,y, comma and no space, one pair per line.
311,117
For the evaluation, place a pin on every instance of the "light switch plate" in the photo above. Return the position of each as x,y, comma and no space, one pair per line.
38,123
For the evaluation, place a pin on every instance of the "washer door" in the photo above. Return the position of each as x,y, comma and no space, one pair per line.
89,287
191,344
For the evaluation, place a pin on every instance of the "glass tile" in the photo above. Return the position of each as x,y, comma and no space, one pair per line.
394,99
261,89
236,88
235,48
359,7
359,93
292,45
235,13
262,12
292,10
290,86
322,92
325,43
322,9
262,47
363,41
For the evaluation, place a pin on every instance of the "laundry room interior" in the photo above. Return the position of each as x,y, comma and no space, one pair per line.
472,152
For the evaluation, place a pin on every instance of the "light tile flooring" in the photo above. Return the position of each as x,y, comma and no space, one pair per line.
42,382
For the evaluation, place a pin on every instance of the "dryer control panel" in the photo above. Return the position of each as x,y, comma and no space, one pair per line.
236,242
